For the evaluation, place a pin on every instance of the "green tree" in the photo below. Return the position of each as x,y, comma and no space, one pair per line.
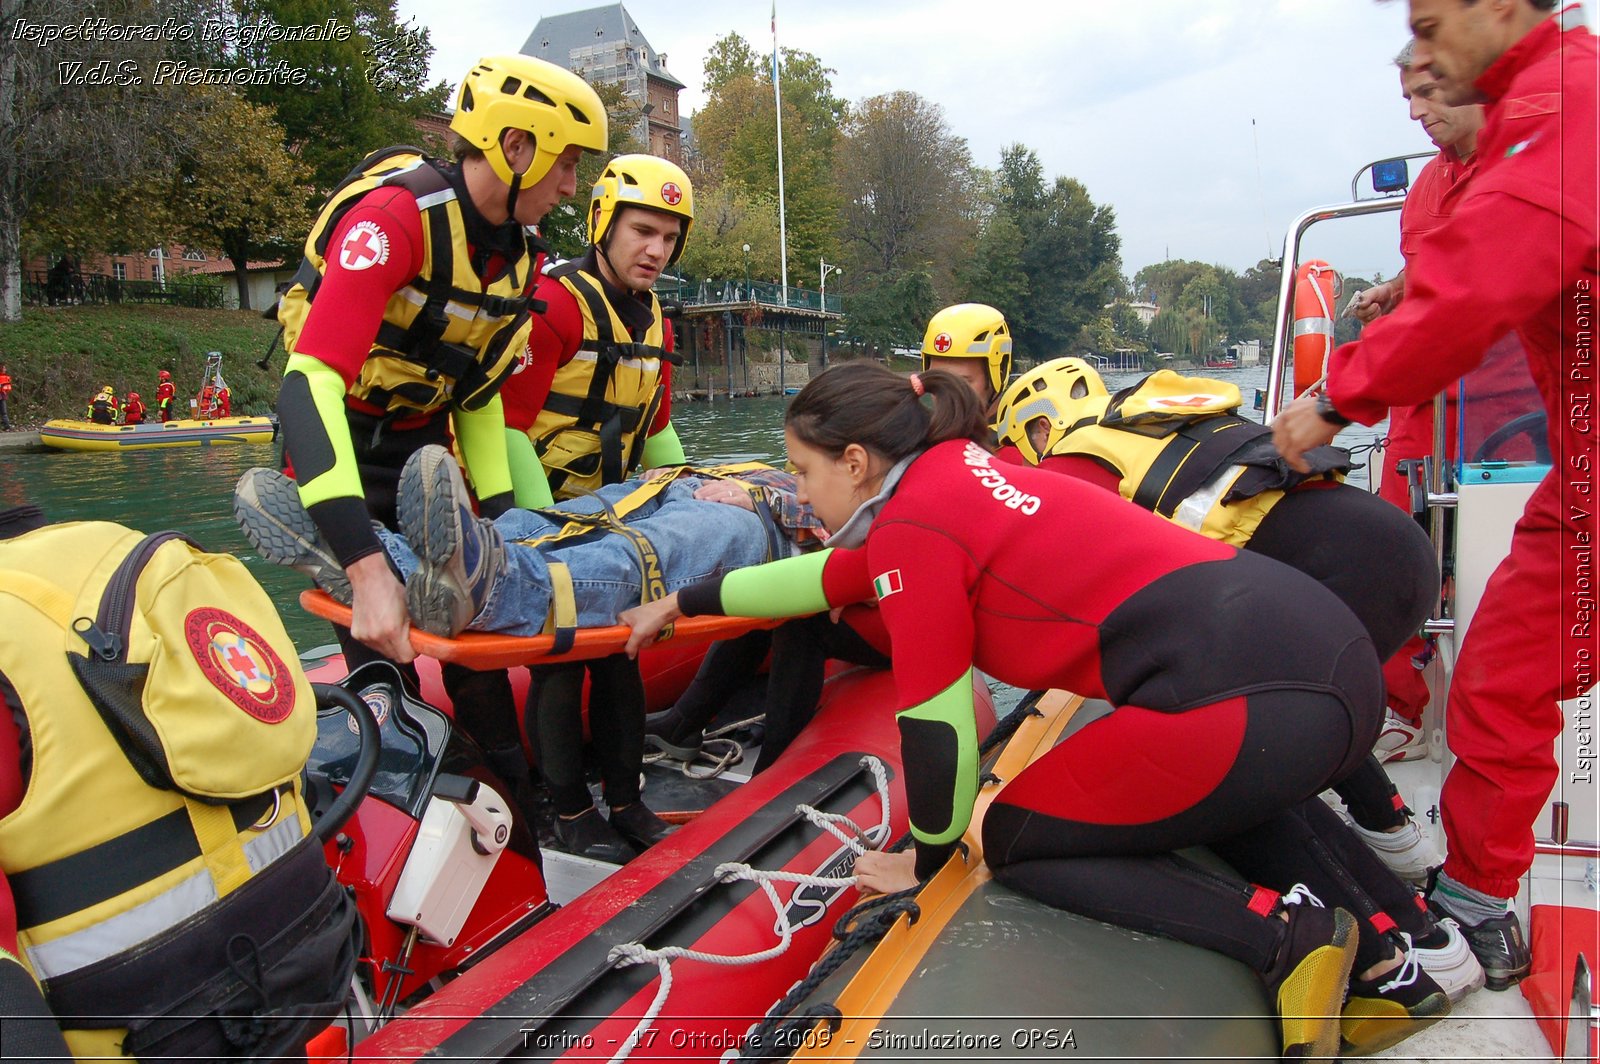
903,178
237,188
994,273
358,94
737,139
727,218
76,117
891,311
1070,253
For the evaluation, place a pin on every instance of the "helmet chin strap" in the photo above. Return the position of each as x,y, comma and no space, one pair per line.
511,195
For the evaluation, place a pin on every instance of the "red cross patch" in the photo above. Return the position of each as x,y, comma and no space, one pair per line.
671,194
240,664
365,245
942,342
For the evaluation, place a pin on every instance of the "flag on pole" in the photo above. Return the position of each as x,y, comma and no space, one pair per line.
774,42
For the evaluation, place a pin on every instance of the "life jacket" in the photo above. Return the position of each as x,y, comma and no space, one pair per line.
133,413
103,411
1182,453
5,385
592,428
162,844
447,339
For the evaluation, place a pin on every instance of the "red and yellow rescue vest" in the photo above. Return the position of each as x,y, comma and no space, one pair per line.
447,339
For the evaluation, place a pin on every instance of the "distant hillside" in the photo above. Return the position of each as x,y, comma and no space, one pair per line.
60,356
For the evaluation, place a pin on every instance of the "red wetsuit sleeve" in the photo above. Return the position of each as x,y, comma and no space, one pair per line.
553,339
844,578
1472,281
925,582
359,279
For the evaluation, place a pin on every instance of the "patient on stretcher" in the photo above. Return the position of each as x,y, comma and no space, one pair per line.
577,565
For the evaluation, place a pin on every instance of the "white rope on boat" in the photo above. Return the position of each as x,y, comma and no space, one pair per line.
631,953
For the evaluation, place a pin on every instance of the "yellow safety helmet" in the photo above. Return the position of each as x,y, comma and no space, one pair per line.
1068,392
641,181
520,92
106,389
970,330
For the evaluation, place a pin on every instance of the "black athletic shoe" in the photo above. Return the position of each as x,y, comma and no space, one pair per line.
640,826
1386,1010
588,835
1499,946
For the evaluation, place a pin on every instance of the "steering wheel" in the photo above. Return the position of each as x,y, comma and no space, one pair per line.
1533,425
366,760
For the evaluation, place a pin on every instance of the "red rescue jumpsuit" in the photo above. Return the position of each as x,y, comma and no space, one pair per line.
1519,252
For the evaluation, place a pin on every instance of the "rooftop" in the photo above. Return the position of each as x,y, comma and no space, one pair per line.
556,37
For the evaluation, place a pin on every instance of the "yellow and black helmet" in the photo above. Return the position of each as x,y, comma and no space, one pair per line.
506,92
641,181
970,330
1067,392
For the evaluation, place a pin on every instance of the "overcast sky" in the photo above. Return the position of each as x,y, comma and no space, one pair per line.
1150,104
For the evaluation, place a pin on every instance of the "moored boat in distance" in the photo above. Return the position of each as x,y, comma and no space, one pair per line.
70,435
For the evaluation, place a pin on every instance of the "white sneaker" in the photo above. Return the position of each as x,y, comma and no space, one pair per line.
1406,852
1453,965
1400,740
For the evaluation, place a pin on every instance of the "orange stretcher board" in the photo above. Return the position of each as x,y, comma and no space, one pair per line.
485,650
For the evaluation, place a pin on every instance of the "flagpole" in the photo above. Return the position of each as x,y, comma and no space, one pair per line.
777,97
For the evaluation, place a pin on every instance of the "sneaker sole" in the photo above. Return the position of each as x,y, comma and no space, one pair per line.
1503,980
1377,1025
1316,1029
267,506
426,509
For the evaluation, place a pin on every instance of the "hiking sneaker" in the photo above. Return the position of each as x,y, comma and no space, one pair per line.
1308,978
1389,1008
1498,944
459,555
1407,852
269,511
1400,740
1452,964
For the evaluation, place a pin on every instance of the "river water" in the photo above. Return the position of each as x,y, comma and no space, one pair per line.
189,489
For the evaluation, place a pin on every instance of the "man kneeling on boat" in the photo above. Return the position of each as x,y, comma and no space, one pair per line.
576,565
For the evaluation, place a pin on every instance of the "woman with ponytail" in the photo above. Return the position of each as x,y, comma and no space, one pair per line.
1223,733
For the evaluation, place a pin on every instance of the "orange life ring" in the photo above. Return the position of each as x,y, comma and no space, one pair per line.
1315,290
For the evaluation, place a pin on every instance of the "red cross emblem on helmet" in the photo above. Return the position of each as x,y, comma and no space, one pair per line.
671,194
942,342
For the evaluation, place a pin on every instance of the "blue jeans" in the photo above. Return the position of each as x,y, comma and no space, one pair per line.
694,541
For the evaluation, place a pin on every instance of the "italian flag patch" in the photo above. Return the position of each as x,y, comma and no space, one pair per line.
887,584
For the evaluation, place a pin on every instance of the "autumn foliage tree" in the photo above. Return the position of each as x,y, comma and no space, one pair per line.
237,188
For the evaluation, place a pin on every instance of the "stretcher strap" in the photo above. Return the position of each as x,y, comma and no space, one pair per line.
562,624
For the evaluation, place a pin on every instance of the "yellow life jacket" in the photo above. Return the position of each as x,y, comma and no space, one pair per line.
168,722
1182,453
447,339
593,426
